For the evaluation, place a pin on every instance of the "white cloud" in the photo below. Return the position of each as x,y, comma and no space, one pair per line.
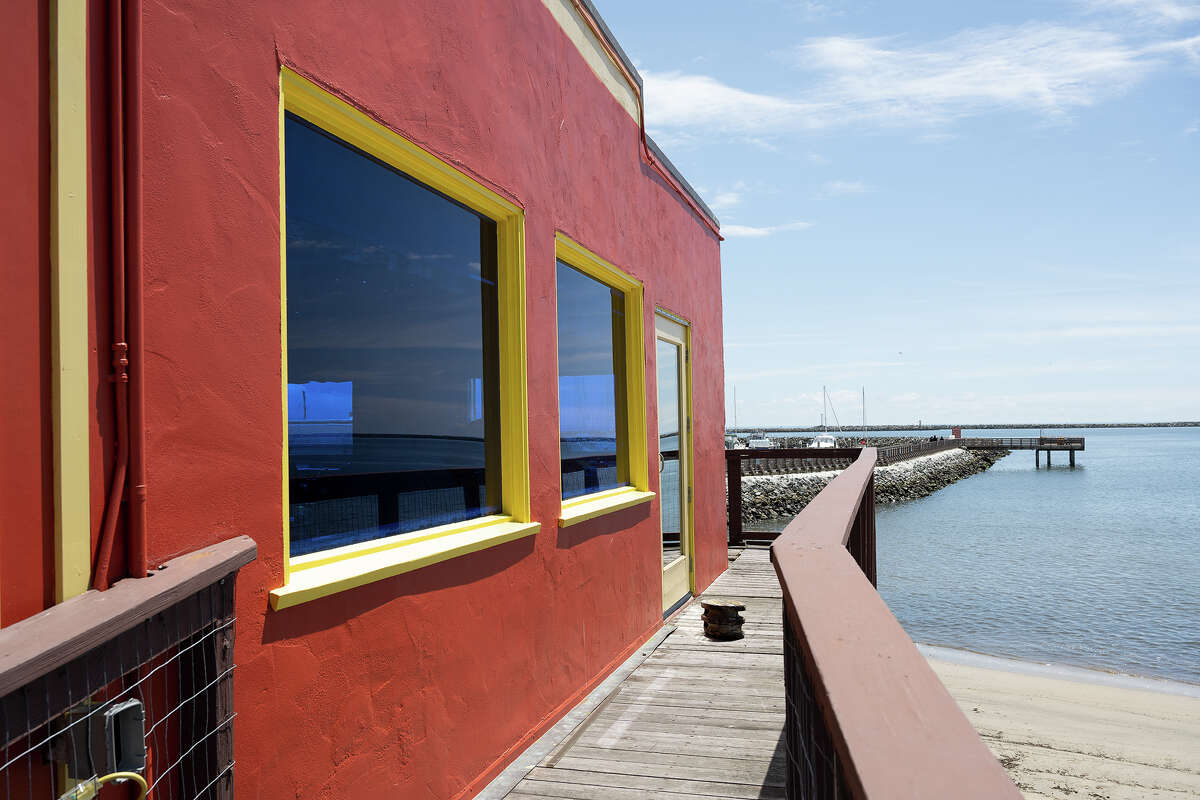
1024,370
675,99
1192,129
724,200
1164,11
729,198
843,188
935,137
1095,332
753,232
1039,68
1189,47
844,367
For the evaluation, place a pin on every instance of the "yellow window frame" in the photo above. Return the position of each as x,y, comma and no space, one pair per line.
320,574
590,506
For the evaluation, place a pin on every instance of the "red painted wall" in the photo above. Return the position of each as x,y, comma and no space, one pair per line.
423,685
26,411
26,488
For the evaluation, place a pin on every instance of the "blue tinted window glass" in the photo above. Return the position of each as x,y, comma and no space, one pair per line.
392,336
591,383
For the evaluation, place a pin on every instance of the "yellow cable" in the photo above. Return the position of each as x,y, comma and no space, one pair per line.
125,776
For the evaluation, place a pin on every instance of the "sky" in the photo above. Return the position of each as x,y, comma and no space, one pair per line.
982,213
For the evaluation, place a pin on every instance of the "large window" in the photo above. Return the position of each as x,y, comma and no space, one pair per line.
591,383
601,395
404,355
393,396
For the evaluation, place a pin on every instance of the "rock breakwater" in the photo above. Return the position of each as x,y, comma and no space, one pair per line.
771,497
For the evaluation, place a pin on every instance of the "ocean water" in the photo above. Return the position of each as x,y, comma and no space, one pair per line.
1097,567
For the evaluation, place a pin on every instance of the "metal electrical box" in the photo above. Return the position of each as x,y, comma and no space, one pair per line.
91,741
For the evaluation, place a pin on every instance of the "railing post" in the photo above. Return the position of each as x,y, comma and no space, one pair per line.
866,513
733,473
861,543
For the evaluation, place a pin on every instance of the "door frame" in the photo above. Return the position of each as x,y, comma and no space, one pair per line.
682,337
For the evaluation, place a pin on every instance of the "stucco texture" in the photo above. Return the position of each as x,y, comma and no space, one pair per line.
26,477
415,686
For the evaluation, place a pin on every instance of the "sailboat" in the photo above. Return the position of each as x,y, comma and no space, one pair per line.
825,439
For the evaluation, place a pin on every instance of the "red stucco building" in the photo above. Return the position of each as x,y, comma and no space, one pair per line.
410,300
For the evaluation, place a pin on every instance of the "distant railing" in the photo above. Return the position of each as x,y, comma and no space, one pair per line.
1027,443
758,461
751,462
901,452
866,715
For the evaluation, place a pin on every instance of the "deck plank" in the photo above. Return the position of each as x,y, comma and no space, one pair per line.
696,720
652,786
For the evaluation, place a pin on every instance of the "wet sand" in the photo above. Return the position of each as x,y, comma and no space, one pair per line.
1071,734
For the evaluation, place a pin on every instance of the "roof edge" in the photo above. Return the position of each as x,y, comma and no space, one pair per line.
650,143
612,40
682,181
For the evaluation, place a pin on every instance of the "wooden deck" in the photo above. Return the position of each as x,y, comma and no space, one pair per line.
697,719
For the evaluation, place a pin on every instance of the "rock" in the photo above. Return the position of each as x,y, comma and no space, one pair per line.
771,497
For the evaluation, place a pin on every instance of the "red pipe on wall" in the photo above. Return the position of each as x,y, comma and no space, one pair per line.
124,150
120,346
135,283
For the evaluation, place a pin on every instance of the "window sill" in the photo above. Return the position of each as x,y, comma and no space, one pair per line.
590,506
310,581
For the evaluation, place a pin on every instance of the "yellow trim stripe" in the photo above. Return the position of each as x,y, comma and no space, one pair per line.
287,489
590,506
598,60
691,470
323,557
338,576
320,574
68,290
514,369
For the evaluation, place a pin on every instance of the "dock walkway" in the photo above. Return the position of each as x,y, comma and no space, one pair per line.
696,719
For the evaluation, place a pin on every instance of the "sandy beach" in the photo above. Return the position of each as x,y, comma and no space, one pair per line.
1069,733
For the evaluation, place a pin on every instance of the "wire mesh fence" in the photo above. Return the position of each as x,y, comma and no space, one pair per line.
150,708
813,768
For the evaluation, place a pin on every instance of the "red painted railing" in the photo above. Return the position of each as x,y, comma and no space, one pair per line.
866,715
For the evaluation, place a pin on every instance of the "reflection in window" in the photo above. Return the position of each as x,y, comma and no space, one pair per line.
392,337
669,477
591,384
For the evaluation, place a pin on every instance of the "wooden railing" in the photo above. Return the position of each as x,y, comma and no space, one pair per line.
1025,443
138,678
787,461
866,715
805,459
902,452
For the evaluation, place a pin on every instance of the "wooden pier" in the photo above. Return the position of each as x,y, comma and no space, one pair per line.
1038,444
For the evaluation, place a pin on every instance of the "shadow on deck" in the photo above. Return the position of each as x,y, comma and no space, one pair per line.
697,718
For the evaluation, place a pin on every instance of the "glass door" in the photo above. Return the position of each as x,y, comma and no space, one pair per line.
674,459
